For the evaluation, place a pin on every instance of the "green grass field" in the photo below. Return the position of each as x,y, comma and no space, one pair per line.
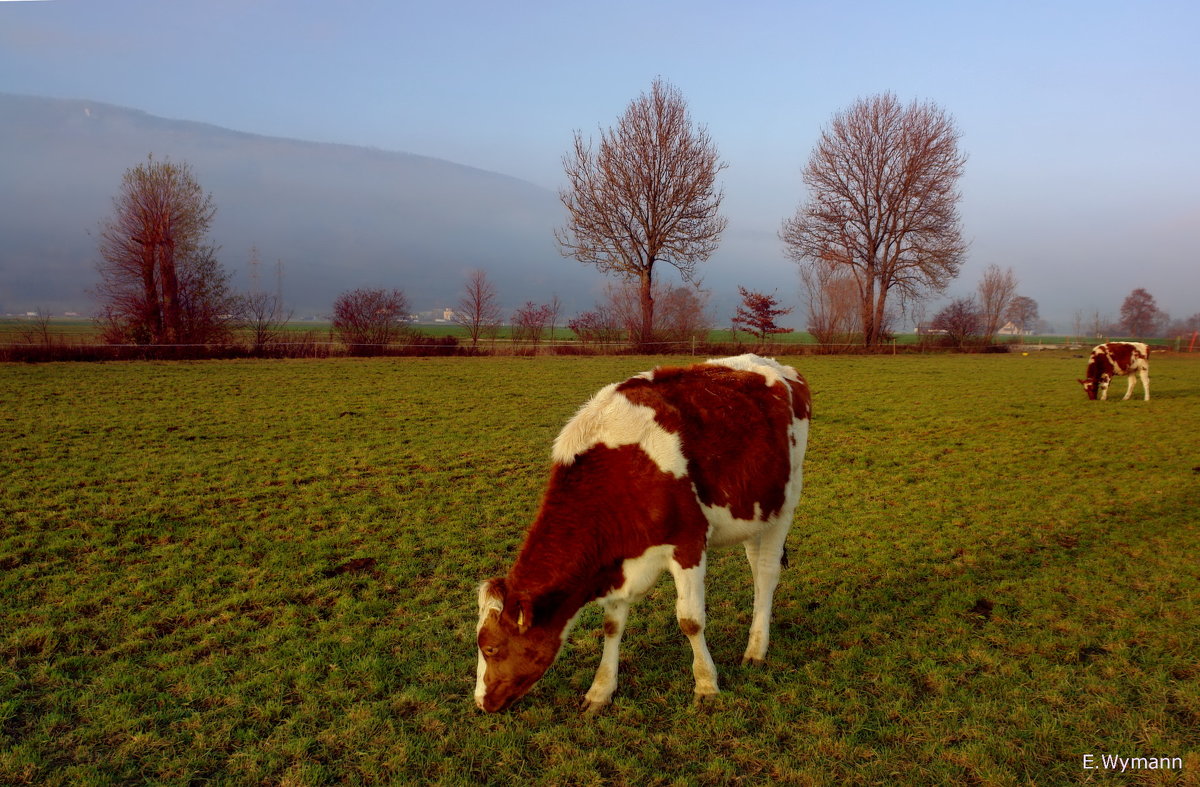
249,572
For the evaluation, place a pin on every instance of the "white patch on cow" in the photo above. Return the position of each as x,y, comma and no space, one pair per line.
771,370
612,420
641,573
488,604
724,529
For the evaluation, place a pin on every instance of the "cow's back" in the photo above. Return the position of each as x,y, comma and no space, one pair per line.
736,427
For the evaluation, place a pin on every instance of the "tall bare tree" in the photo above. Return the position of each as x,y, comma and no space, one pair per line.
479,308
646,194
883,204
160,283
997,288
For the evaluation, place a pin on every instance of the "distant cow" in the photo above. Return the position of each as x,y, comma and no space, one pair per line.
646,477
1115,359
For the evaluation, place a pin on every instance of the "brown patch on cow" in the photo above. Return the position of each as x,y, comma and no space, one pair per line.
1099,364
801,399
610,628
1121,354
608,506
733,430
689,627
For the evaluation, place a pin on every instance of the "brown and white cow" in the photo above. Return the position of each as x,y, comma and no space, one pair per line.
646,477
1114,359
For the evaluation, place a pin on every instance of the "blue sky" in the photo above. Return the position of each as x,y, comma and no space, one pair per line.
1080,119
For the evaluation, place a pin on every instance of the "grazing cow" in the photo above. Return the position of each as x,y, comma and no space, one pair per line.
1114,359
646,477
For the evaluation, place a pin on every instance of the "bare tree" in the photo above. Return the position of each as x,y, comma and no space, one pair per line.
553,308
596,327
262,316
529,322
479,309
833,305
36,330
961,321
160,283
757,314
260,313
368,320
1022,312
996,290
682,315
1139,313
647,194
1100,325
883,204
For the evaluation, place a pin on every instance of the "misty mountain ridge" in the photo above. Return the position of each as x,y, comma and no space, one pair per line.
336,216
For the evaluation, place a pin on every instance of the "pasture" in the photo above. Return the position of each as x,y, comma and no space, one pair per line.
265,572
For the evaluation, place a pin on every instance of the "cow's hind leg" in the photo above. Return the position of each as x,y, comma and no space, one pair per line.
689,610
1129,388
1145,377
616,612
765,555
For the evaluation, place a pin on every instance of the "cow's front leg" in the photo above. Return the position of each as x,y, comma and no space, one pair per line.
689,610
605,682
765,555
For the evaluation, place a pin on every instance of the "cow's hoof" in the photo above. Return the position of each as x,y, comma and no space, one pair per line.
753,661
592,707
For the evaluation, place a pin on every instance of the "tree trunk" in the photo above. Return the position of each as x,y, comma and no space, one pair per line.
868,312
170,296
152,310
646,332
880,312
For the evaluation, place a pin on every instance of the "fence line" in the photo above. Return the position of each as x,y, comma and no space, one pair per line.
59,347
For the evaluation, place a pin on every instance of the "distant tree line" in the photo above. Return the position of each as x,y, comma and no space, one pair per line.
877,236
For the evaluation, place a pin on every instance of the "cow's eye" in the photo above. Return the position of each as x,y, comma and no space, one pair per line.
490,651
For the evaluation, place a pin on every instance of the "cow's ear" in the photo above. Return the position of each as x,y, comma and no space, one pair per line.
1081,382
491,597
519,612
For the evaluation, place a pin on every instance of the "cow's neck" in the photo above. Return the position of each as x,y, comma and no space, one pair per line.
562,573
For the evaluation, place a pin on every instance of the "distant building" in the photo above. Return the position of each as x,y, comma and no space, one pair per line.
1012,330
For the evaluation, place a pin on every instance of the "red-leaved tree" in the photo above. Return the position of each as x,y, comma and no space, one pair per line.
757,314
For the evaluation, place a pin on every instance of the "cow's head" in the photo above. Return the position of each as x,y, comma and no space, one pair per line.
514,649
1096,387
